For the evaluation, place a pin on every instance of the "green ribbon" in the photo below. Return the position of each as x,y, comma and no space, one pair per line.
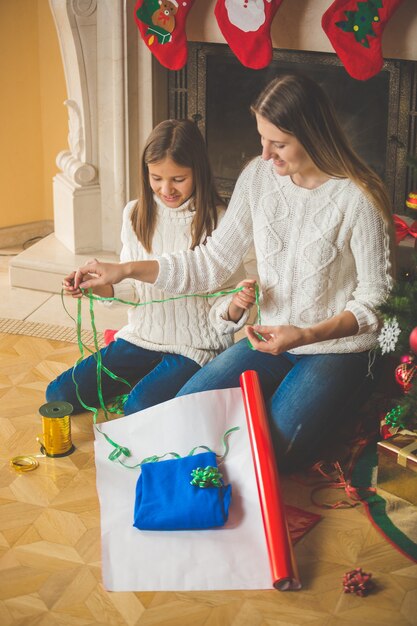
225,292
258,316
118,402
119,450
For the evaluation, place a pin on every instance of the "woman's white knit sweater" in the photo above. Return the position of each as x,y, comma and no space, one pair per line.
319,252
193,327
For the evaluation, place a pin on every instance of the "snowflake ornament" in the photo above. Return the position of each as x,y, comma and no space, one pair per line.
388,336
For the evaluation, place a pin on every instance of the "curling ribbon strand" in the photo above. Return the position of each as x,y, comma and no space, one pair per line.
225,292
175,455
120,450
258,316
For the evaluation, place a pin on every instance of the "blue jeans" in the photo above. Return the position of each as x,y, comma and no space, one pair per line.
160,377
307,396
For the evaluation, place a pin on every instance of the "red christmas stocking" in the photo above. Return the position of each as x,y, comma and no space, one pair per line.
162,27
246,24
355,31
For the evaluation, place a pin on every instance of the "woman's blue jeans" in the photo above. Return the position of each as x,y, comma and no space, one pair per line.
160,375
307,396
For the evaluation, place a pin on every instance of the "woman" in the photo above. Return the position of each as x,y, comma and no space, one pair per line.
320,222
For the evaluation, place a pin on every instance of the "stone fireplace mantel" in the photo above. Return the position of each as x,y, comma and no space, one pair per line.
108,117
111,103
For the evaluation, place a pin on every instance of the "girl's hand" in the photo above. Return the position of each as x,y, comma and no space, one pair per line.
242,300
69,288
276,339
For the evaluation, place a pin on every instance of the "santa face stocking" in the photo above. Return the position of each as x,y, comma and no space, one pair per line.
246,24
355,31
162,27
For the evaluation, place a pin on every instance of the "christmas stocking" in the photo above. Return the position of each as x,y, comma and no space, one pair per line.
355,31
246,24
162,27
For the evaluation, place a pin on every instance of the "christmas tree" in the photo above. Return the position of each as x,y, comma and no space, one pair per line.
361,22
399,337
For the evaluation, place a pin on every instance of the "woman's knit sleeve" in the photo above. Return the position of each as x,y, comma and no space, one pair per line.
370,244
210,265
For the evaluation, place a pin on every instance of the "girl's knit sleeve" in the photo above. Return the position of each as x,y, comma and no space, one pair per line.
208,266
370,244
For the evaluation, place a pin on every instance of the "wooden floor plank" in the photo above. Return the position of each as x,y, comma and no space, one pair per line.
50,569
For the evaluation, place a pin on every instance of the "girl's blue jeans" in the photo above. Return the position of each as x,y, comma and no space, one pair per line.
160,375
308,397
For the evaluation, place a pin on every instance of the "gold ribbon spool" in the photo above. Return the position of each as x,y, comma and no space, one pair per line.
56,428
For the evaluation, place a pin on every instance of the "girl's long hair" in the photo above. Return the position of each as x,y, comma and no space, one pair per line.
181,141
298,106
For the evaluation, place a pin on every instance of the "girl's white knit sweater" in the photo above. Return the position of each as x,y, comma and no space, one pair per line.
193,327
319,252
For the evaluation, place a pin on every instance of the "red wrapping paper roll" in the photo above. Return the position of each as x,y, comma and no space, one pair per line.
281,557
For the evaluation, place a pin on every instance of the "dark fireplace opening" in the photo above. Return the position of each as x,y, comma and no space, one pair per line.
216,91
231,134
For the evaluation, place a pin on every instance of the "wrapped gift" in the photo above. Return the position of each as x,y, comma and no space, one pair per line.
181,494
397,466
406,236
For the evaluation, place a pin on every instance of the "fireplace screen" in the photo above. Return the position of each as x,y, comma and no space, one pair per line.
217,91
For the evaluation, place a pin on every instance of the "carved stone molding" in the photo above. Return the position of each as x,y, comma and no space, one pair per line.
81,173
70,161
76,24
109,104
75,136
84,8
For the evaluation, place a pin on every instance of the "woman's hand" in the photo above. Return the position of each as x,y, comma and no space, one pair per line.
242,300
277,339
71,284
95,275
107,274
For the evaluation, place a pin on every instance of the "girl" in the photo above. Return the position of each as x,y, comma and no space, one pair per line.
162,345
320,221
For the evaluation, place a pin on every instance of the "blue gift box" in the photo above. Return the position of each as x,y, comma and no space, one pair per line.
165,499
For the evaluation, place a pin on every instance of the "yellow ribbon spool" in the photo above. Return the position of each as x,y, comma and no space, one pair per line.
56,428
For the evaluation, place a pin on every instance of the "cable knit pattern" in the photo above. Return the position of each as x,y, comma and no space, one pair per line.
193,327
319,252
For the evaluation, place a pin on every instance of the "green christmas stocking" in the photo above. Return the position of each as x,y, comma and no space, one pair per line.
355,31
162,27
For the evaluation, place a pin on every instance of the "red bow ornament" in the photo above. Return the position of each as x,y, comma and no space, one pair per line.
402,229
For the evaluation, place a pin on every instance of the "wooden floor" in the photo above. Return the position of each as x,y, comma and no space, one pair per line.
50,571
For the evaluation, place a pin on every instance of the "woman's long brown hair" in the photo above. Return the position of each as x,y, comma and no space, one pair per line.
181,141
298,106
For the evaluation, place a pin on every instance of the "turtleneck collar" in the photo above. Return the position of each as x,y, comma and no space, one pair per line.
186,209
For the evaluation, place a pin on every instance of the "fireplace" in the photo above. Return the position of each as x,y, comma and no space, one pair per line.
117,92
378,115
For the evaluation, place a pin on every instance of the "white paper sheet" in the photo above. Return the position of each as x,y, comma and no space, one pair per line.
231,557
